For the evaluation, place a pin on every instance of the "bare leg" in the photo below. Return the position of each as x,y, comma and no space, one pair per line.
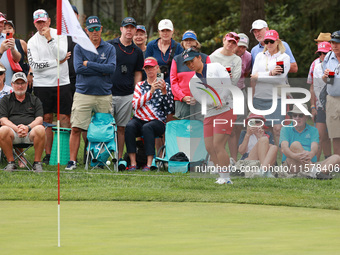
74,143
38,136
48,117
336,146
6,142
133,159
121,141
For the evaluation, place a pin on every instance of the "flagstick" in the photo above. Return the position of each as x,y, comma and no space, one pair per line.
59,13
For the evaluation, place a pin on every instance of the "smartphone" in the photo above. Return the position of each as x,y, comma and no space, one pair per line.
160,76
9,35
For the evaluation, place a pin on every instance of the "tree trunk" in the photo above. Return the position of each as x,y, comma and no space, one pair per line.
251,10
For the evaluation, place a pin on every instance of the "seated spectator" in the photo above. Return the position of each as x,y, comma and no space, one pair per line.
152,102
257,144
299,144
4,89
21,118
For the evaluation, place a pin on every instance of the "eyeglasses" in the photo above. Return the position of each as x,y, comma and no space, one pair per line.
231,35
336,35
2,72
269,41
40,15
298,115
91,29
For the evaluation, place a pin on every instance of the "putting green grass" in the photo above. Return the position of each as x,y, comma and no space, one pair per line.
95,228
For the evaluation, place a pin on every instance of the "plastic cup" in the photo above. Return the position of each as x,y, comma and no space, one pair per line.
228,69
330,79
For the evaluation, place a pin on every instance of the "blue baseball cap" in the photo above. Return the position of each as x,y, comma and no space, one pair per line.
75,9
129,21
189,54
335,37
142,28
188,35
93,21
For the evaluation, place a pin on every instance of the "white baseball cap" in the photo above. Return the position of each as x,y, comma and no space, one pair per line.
244,40
19,76
165,24
258,24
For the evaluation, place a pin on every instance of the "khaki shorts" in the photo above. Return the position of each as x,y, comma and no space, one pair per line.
84,105
122,109
333,116
18,140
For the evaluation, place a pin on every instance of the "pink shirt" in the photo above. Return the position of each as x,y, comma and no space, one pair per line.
246,68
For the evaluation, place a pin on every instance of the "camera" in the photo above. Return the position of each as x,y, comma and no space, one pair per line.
123,69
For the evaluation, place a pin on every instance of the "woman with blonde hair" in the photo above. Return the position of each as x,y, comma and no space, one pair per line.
269,74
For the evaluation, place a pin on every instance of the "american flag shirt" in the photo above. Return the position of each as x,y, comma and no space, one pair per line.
149,106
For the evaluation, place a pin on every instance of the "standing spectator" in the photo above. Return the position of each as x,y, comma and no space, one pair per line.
267,75
6,44
318,112
152,101
299,144
4,89
323,37
21,45
42,55
259,28
164,48
21,120
128,73
180,76
331,63
228,59
215,136
93,84
140,38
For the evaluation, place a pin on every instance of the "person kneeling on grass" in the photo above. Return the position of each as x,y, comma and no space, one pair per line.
299,144
152,102
257,144
21,118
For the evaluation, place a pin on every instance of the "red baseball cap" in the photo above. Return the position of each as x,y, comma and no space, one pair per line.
150,62
271,35
2,17
324,47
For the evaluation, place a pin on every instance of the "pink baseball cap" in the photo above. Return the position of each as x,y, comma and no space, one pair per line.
271,35
232,36
150,62
324,47
2,17
40,15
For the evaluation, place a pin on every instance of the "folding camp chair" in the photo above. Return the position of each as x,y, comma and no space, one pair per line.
183,136
102,141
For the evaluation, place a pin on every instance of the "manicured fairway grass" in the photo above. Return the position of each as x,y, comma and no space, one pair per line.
166,228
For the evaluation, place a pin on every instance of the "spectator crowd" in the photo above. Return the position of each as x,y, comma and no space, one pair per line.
122,79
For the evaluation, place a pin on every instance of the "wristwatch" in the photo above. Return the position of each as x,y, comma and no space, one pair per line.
29,128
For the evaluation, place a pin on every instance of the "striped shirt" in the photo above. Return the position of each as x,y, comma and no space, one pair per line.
150,106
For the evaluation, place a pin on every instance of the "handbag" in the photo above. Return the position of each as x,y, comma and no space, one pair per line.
14,66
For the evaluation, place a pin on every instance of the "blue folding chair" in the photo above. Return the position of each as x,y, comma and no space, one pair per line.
102,142
183,136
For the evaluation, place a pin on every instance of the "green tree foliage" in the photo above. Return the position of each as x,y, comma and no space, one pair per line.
298,22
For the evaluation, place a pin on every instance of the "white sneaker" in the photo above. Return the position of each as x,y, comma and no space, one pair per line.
71,165
224,181
232,161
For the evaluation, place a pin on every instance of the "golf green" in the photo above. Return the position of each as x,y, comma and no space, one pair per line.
166,228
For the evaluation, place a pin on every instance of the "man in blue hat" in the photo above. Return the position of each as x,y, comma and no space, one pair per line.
93,84
128,73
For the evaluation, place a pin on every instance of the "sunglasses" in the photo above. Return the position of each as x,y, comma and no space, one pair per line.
3,15
269,41
2,72
322,53
335,35
255,122
40,15
236,37
91,29
298,115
